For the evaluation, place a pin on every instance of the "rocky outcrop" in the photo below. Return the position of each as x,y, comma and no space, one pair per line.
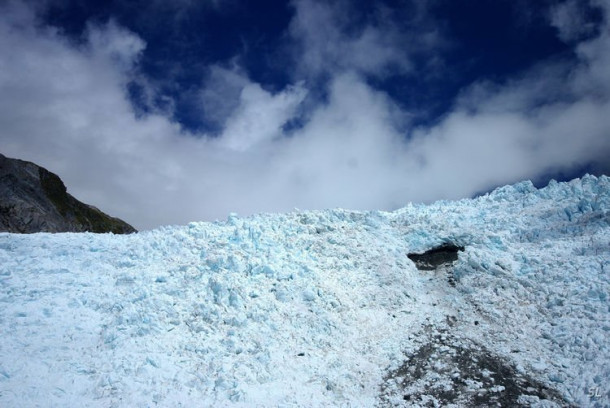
32,199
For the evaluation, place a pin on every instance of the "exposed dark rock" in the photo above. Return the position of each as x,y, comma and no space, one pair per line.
430,260
32,199
447,370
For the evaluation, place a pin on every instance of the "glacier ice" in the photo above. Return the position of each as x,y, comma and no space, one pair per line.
308,308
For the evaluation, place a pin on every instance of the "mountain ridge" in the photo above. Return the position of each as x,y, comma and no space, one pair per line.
33,199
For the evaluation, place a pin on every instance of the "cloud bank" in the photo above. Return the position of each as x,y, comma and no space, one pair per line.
65,106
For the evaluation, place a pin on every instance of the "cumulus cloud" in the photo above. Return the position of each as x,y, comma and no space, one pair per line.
554,117
65,106
260,116
221,93
570,19
328,43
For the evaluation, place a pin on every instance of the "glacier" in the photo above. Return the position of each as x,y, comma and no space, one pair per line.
318,308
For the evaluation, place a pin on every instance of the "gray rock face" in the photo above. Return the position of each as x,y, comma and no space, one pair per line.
32,199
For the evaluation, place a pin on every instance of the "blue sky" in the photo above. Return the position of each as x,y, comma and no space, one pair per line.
476,39
168,112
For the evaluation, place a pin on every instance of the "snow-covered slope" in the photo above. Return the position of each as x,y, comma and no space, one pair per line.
318,308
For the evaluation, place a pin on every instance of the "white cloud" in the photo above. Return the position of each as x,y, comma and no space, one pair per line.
65,107
260,116
328,45
554,117
221,92
570,20
347,155
113,43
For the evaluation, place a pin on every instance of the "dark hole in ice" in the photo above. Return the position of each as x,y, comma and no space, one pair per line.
441,255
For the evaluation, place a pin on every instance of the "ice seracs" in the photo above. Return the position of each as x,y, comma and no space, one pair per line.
317,308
